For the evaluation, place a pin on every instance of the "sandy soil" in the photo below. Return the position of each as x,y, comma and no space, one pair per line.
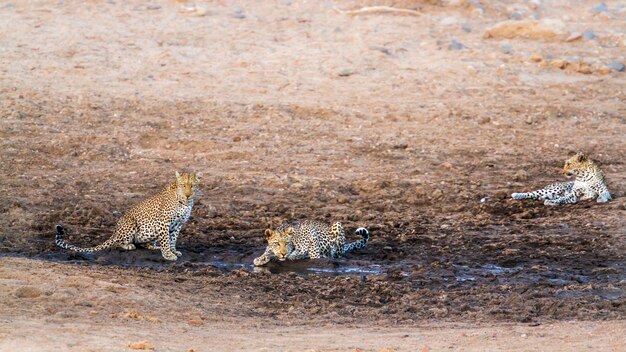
417,127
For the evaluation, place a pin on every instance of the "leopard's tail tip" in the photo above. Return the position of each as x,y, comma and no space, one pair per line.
518,195
58,238
363,232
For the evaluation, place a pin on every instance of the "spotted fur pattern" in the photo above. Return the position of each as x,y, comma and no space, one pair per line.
308,239
155,220
589,184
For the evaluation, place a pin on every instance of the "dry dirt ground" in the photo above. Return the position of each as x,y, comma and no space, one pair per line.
417,127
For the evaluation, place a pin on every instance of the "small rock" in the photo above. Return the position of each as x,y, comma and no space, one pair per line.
195,322
536,58
447,21
516,15
534,4
382,49
238,13
547,29
387,248
141,346
561,64
28,292
617,66
521,175
584,68
446,165
400,146
506,48
342,200
237,139
347,72
589,35
485,119
201,11
600,8
526,215
573,60
605,70
456,45
574,37
466,28
437,194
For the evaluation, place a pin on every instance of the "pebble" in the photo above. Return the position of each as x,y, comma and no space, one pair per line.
466,28
536,57
589,35
534,4
450,20
382,49
456,45
506,48
345,73
617,66
600,8
561,64
573,37
584,68
521,175
141,346
238,13
572,59
28,292
546,29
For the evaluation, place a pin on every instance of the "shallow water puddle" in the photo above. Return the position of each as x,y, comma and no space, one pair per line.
302,268
465,273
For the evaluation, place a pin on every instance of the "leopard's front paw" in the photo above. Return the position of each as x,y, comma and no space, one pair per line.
261,261
551,202
169,256
178,253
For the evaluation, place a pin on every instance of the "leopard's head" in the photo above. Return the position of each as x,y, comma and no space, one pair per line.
187,186
577,165
279,241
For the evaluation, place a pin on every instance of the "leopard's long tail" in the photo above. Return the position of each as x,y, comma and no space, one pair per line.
527,195
365,236
61,243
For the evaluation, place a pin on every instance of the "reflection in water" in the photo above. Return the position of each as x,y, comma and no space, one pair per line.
302,268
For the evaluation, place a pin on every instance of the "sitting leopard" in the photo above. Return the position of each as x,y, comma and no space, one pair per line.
308,239
158,219
589,184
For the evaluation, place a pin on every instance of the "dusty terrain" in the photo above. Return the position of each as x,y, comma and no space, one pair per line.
417,127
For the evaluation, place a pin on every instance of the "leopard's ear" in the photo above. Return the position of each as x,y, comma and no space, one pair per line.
581,157
198,176
289,231
268,234
177,175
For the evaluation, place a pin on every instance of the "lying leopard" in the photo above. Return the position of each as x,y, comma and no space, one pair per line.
589,184
158,219
308,239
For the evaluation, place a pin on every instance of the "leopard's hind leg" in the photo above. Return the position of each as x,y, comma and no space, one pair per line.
126,232
570,198
339,239
550,192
